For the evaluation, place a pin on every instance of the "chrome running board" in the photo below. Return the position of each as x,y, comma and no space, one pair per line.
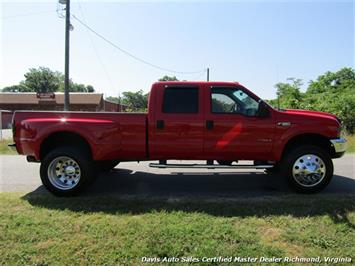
211,166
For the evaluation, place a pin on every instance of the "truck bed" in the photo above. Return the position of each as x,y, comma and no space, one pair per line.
110,135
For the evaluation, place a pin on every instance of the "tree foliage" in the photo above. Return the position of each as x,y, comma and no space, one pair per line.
333,92
17,88
138,101
289,93
168,78
43,79
135,101
333,81
113,99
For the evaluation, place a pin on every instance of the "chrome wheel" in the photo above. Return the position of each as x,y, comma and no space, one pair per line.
64,173
308,170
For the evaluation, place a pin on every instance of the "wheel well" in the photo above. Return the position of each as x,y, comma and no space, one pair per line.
60,139
309,139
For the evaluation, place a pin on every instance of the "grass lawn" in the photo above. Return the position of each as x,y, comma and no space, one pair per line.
4,149
41,229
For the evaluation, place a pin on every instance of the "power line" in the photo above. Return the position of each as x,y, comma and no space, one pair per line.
28,14
60,10
198,76
96,51
133,56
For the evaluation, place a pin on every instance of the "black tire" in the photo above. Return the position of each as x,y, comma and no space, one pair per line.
83,162
273,171
290,164
106,166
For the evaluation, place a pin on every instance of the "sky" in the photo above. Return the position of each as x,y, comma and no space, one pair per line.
257,43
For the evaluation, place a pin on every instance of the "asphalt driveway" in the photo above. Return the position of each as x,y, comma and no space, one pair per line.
131,178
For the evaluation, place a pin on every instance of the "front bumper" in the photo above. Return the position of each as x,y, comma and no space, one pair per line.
340,146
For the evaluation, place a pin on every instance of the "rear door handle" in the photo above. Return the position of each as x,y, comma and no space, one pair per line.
160,124
209,124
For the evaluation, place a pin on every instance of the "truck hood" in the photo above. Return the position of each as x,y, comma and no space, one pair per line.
310,113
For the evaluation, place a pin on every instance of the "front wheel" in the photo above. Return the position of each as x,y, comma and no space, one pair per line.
308,169
66,171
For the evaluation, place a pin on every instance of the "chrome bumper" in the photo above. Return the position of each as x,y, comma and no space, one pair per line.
339,145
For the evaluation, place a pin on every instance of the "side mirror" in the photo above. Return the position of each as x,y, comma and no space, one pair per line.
263,109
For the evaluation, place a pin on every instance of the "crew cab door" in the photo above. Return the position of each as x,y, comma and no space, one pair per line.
178,125
234,130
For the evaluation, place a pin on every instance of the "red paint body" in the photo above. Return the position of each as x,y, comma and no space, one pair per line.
135,136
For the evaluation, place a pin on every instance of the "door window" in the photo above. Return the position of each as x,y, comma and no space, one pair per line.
233,100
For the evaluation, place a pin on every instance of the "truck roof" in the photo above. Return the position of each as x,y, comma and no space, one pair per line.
198,83
211,83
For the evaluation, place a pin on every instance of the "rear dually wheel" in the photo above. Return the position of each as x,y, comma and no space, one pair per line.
66,171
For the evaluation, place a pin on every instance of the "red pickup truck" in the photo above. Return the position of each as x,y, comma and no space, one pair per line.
220,122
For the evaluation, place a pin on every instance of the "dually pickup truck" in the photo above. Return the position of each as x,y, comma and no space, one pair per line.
217,122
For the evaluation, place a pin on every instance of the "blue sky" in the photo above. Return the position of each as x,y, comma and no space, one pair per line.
257,43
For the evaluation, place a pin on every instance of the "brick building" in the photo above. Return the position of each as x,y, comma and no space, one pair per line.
90,102
54,101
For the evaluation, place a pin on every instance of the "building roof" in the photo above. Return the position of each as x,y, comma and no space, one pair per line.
31,98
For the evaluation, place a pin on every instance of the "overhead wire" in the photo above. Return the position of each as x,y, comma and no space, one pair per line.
60,11
198,76
132,55
28,14
96,50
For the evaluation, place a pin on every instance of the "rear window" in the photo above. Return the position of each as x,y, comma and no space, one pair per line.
180,100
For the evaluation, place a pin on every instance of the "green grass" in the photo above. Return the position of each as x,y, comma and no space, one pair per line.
351,143
4,149
41,229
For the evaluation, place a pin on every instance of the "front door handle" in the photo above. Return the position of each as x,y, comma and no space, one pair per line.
209,124
160,124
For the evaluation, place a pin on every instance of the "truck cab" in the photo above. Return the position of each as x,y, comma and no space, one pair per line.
215,121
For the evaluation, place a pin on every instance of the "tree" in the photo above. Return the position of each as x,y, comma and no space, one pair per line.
332,92
43,79
17,88
113,99
135,100
168,78
289,93
333,81
76,87
90,88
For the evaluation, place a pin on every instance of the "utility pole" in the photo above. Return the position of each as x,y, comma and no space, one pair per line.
66,70
208,74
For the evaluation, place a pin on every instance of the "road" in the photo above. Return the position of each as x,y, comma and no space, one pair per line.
131,178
